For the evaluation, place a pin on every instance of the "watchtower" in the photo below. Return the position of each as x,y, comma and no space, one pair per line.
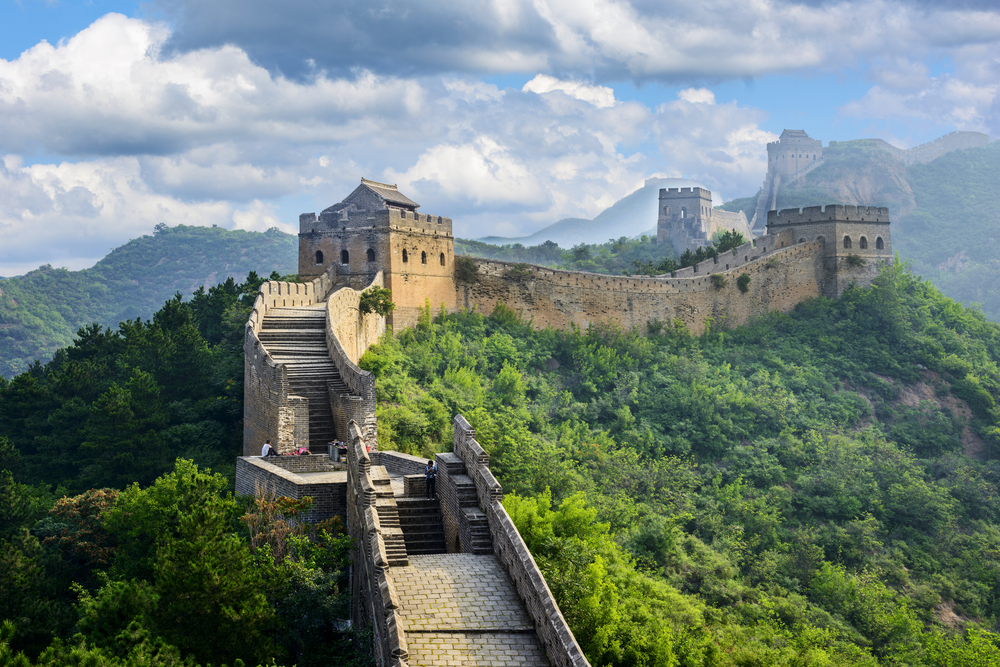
855,240
793,152
377,228
684,217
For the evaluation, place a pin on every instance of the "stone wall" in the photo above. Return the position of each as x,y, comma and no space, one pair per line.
267,413
399,463
280,475
782,273
375,603
348,334
560,645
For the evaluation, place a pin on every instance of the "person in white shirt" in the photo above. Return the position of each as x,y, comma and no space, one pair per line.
267,449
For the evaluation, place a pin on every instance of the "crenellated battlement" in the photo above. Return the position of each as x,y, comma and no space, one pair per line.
686,192
830,212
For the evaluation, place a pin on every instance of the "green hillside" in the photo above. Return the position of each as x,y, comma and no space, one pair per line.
946,213
42,310
816,488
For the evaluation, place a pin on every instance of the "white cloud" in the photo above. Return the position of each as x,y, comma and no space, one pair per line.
601,97
720,145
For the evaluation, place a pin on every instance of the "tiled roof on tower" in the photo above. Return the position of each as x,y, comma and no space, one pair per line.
372,196
796,134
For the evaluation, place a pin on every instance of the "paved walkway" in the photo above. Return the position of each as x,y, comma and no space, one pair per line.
462,609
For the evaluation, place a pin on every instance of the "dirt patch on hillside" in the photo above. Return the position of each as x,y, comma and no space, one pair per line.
912,395
946,616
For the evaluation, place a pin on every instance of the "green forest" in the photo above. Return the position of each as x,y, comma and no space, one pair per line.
120,540
816,488
42,310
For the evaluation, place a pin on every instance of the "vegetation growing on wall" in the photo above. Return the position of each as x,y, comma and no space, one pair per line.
616,257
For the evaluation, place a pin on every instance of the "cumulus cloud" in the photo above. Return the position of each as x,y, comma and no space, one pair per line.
600,96
72,214
720,145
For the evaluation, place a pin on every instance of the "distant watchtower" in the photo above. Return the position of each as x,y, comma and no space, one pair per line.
687,220
377,228
792,153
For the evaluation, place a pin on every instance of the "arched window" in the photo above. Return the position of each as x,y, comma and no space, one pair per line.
684,211
371,255
863,244
802,240
345,257
319,256
666,210
406,258
847,242
423,257
442,259
821,239
879,245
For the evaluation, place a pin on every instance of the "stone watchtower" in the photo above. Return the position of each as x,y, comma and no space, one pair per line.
792,153
855,240
686,219
792,156
377,228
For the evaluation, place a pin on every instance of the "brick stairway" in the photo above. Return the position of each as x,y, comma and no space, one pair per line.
422,525
468,504
296,337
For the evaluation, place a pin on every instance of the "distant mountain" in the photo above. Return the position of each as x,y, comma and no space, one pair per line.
630,216
42,310
945,213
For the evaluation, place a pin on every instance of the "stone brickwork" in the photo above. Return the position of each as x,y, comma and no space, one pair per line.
855,241
267,413
296,477
782,274
560,646
375,602
374,233
398,463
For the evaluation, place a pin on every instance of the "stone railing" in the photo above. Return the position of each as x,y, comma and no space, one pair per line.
348,334
560,645
375,601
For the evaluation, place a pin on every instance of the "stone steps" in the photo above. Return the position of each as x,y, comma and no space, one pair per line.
296,337
422,526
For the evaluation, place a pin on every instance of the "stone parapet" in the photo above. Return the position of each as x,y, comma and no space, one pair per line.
560,645
283,475
375,601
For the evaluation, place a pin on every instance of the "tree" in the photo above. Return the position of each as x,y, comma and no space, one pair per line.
376,300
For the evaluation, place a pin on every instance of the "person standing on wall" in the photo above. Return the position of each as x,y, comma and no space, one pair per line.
430,472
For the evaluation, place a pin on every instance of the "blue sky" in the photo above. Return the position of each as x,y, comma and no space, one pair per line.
506,115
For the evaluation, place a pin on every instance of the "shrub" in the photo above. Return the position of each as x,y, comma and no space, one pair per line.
743,282
466,270
855,260
376,300
519,272
718,280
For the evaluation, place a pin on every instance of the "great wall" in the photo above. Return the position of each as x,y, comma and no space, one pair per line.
450,580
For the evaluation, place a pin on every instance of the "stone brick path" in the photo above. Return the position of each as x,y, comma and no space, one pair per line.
462,609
